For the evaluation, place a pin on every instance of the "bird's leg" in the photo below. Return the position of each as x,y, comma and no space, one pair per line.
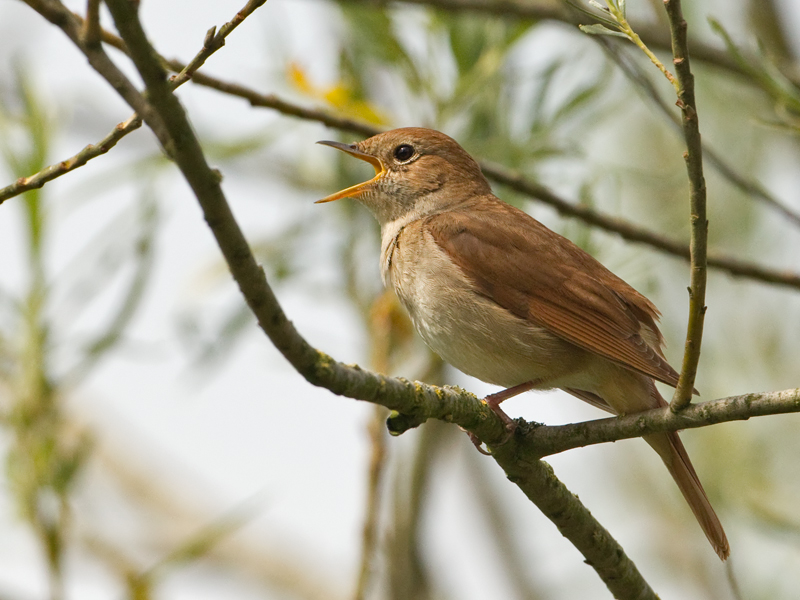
494,400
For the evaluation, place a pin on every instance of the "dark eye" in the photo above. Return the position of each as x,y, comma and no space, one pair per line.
403,152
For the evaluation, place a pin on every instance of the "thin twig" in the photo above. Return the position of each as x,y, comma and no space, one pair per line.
625,27
37,180
698,244
283,106
213,41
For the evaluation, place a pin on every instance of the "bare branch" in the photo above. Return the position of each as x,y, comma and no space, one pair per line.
283,106
698,244
37,180
214,41
575,523
544,440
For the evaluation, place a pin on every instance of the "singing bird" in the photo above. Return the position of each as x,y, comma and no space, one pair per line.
503,298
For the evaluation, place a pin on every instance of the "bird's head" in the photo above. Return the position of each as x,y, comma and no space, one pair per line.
416,170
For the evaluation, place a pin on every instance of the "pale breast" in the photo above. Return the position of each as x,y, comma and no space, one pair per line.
469,331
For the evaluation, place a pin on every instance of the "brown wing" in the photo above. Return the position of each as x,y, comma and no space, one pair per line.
541,276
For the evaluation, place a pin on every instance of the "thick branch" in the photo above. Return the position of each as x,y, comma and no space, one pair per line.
698,244
575,523
92,32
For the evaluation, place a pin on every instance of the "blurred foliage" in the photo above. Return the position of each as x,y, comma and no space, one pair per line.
766,72
44,457
46,322
532,96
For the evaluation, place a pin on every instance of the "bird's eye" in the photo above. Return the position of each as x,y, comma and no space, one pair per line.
403,152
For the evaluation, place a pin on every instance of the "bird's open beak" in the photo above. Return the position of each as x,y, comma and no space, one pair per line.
353,190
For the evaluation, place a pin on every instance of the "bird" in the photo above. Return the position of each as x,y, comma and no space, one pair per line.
506,300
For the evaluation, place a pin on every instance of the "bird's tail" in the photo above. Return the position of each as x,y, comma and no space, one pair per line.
672,452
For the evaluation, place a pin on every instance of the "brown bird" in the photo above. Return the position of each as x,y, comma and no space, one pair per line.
503,298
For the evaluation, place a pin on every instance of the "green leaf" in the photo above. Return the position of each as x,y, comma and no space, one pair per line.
597,29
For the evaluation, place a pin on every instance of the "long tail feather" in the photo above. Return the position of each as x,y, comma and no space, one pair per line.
672,452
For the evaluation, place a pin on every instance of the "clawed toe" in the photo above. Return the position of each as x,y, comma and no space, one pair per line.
476,441
508,423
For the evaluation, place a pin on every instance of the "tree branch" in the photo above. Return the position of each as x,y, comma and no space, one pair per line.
603,553
214,40
538,441
698,245
37,180
91,32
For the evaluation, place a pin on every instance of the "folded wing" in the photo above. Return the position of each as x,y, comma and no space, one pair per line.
542,277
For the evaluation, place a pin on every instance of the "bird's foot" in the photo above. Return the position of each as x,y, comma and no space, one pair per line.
493,401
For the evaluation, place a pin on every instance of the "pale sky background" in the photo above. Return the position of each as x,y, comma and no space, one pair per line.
223,441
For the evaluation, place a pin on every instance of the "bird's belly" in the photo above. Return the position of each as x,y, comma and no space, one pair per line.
475,334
